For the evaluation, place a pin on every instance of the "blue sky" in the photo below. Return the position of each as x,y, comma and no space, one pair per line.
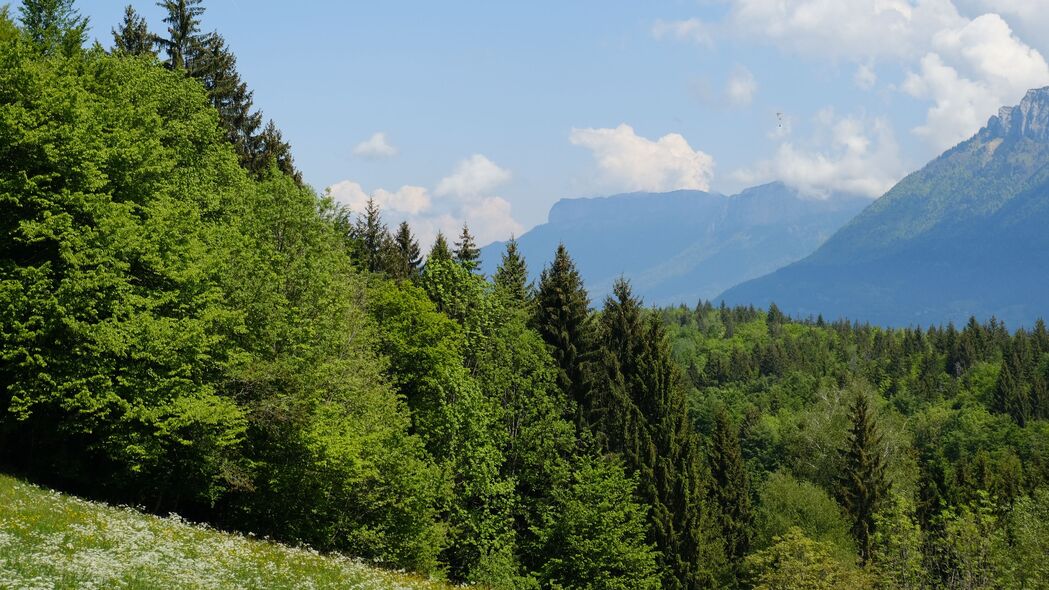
491,111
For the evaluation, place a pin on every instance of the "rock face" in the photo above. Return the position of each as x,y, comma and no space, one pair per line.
965,235
681,246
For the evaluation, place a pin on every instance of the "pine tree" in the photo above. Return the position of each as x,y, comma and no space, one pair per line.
183,19
439,251
53,26
512,275
862,484
561,314
466,251
372,235
409,257
133,36
730,489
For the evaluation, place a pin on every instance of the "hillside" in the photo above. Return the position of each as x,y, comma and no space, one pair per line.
50,540
962,236
684,245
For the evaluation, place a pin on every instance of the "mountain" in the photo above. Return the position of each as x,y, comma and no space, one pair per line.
965,235
684,245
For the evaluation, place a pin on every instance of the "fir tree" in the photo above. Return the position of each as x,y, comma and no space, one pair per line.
53,26
561,313
1012,393
512,275
862,484
730,489
439,251
133,36
183,19
466,251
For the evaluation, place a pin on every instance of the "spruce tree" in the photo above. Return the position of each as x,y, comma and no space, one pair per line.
183,19
1012,393
439,251
561,314
132,37
639,409
862,484
406,248
212,63
270,150
466,251
512,275
730,489
53,26
371,234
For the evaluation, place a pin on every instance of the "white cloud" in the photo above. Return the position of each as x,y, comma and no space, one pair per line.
472,177
693,30
375,146
407,199
630,162
971,72
846,154
463,196
965,62
846,29
741,87
865,77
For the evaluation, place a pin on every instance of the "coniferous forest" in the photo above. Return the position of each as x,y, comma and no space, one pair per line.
186,326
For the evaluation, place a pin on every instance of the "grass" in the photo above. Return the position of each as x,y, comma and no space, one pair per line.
53,541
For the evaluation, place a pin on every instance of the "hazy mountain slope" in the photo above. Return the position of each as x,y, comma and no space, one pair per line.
683,245
965,235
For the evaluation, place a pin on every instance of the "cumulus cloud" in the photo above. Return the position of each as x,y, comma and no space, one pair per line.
845,154
960,56
970,72
375,146
741,87
472,177
464,196
630,162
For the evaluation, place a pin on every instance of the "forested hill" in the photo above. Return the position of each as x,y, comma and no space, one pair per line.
683,246
962,236
188,328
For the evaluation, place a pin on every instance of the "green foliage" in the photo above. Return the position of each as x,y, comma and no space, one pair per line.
795,562
594,535
512,276
784,503
561,318
897,561
862,484
439,251
730,488
183,20
466,251
53,26
133,36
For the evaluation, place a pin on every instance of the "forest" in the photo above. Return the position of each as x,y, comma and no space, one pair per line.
186,326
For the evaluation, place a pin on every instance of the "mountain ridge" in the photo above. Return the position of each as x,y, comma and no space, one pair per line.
944,243
682,245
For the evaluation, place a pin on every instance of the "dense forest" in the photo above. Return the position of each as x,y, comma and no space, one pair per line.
186,326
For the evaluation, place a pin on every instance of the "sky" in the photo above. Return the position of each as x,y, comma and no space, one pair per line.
489,112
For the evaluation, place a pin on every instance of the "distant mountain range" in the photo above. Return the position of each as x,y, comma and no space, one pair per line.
684,245
968,234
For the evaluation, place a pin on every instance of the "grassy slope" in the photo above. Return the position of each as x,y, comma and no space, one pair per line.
49,540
